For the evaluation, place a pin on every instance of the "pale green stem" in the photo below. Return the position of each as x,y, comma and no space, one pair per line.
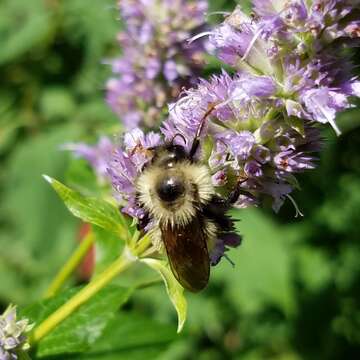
70,266
23,355
118,266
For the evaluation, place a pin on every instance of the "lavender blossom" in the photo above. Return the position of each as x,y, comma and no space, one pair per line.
13,334
291,75
261,124
156,61
97,155
294,43
127,163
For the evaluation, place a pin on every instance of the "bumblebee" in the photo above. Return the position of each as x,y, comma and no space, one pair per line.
186,214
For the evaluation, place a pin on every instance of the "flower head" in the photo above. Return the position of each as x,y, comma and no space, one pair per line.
259,127
157,61
12,334
293,44
127,163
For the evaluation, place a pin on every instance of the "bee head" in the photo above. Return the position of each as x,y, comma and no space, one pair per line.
170,188
167,156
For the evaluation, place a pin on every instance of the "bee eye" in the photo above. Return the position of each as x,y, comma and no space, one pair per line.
170,188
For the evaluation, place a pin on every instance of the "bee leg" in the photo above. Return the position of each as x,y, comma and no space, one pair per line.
156,240
234,195
143,222
216,210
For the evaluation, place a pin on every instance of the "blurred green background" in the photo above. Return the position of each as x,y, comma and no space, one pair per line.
295,290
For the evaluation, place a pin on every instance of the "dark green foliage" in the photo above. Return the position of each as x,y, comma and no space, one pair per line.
46,99
79,331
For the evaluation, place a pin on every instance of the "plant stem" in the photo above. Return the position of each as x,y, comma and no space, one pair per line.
70,266
23,355
119,265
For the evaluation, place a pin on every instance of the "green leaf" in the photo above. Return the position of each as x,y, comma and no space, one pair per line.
81,177
346,198
314,268
23,25
37,232
83,327
174,289
79,20
262,273
57,103
130,336
108,248
92,210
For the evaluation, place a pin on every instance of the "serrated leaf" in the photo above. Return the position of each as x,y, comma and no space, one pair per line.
92,210
131,336
174,289
83,327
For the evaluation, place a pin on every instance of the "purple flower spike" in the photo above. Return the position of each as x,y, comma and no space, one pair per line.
127,163
259,127
288,76
241,145
258,86
323,104
157,61
253,168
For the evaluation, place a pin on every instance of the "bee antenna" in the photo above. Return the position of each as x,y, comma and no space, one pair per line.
175,136
196,141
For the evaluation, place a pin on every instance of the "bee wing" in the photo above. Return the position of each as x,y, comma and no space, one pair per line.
188,254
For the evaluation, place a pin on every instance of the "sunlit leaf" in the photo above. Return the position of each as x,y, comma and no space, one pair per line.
92,210
174,289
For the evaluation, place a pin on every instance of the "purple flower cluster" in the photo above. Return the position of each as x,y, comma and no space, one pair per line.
250,140
291,74
297,48
126,165
156,61
12,334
